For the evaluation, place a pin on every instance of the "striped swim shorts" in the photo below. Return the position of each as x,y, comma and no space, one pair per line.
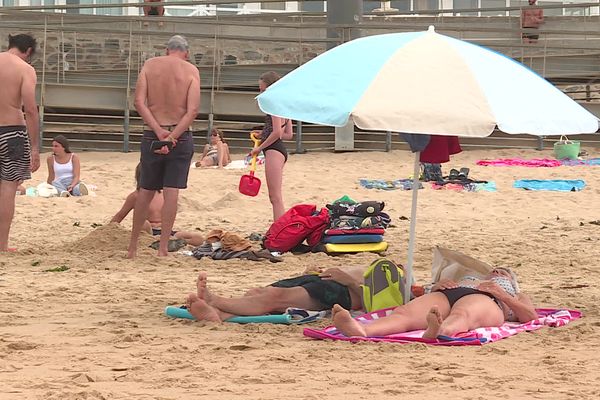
15,153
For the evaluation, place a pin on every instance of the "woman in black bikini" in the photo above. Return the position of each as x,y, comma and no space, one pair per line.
276,155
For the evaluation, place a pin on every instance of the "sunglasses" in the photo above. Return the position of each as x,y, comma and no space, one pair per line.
214,134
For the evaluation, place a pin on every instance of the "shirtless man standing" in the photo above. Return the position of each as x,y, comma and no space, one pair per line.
19,153
167,97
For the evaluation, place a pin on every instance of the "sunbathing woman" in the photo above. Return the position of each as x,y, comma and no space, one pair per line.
450,308
64,169
216,153
153,222
314,291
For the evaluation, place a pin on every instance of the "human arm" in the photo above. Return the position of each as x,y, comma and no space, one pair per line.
50,162
76,172
343,278
128,205
32,117
141,93
192,107
521,305
274,136
204,152
444,284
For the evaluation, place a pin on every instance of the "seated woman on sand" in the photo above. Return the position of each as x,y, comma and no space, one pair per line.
216,153
450,308
64,169
153,224
314,291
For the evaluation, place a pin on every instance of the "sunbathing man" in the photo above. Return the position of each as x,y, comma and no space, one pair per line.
450,308
314,291
153,223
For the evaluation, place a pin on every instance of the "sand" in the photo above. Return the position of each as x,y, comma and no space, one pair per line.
96,330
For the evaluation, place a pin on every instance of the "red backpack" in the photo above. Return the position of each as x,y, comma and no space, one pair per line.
297,224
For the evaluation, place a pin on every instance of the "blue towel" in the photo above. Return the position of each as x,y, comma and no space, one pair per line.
561,185
382,184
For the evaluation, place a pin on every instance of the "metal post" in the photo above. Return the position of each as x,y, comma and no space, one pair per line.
388,141
413,227
540,144
211,115
43,84
299,149
128,94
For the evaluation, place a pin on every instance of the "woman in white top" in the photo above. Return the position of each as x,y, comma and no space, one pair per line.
64,169
216,153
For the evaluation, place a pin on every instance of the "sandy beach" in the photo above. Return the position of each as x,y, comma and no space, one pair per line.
97,331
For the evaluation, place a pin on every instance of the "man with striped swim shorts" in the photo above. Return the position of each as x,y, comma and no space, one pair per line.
19,134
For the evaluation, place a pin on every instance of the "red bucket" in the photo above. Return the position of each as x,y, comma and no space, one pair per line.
249,184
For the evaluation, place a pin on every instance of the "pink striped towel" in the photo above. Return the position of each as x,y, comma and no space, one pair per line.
547,317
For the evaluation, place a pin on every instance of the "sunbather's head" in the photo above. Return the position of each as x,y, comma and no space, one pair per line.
267,79
507,273
216,135
60,145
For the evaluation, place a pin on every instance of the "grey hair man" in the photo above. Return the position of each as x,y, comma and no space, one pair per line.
167,97
19,134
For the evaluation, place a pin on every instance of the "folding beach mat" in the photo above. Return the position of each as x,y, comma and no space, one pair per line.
558,185
356,247
546,317
352,239
291,316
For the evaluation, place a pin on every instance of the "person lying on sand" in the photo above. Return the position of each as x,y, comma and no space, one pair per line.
314,291
450,308
152,225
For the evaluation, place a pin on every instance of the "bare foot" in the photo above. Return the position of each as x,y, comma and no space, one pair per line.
201,285
344,322
162,253
434,322
131,252
202,311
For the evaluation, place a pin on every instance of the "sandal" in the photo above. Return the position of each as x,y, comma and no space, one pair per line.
463,173
453,174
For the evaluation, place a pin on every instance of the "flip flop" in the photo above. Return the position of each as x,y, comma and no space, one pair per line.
453,174
463,173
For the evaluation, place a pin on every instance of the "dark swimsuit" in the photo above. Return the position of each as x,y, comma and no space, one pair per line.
458,293
276,145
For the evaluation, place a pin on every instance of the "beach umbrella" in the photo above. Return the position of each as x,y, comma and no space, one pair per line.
424,83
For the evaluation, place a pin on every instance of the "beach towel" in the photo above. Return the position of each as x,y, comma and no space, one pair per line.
466,187
559,185
381,184
519,162
589,162
546,317
290,316
234,164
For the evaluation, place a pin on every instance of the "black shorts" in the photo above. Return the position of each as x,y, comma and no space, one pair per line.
278,146
326,292
458,293
166,170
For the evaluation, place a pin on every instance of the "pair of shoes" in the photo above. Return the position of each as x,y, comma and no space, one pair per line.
64,193
83,189
461,174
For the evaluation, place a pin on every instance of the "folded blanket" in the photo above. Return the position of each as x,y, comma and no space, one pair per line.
511,162
403,184
547,317
560,185
467,187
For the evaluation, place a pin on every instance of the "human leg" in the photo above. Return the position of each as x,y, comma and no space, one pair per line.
470,312
193,238
408,317
8,190
140,212
274,162
168,214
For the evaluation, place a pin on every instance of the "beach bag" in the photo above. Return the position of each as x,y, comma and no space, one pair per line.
384,285
362,209
300,222
566,149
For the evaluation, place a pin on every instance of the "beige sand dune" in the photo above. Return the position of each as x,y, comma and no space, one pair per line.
96,330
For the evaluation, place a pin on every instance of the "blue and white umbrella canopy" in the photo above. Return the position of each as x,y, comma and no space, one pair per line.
424,82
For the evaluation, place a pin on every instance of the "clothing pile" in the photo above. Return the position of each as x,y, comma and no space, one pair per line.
223,245
355,227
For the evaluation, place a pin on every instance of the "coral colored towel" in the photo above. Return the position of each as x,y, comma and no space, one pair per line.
519,162
547,317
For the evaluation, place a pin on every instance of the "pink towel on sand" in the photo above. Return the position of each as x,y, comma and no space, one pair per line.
547,317
519,162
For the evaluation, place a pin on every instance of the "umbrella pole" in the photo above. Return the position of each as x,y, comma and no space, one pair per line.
413,225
